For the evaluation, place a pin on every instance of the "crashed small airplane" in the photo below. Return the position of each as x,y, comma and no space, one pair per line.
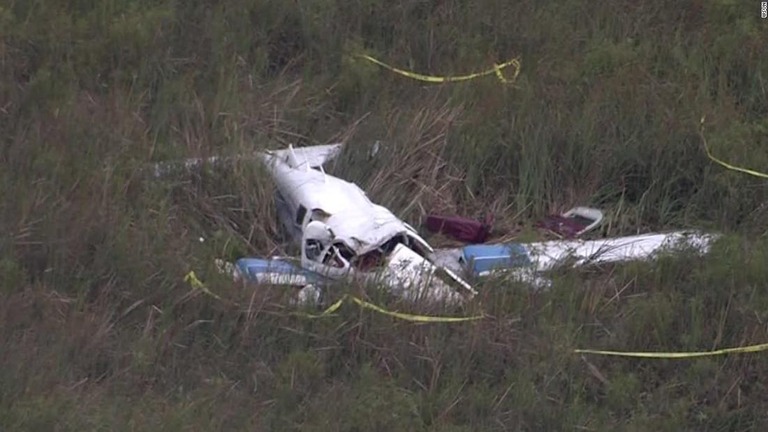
343,235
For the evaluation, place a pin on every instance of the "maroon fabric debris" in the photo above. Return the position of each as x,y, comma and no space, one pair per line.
566,227
460,228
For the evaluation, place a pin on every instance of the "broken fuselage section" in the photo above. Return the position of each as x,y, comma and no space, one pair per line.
343,235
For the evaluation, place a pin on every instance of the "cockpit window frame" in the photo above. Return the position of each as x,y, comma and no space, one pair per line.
332,253
301,213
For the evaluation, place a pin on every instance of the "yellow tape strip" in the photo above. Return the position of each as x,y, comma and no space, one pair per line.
193,280
677,355
726,164
399,315
414,318
326,313
444,79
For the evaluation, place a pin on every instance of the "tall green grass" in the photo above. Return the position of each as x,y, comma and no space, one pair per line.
98,331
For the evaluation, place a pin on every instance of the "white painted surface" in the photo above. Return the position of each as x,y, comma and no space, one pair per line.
551,254
412,277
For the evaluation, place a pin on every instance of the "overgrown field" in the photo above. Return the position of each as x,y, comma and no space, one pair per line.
98,331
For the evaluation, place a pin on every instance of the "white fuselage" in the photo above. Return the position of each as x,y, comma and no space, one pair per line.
311,194
360,228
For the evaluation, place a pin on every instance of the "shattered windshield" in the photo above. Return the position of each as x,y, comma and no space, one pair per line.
335,256
377,258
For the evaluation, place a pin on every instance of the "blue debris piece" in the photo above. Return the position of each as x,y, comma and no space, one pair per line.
261,270
481,259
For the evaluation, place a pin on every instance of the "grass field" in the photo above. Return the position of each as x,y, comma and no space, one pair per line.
98,331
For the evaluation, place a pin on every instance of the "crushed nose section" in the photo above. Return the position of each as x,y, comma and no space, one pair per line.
414,278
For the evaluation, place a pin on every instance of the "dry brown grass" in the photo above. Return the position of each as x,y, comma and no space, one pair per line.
98,330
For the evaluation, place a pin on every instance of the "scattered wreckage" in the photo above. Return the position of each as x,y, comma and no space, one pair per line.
528,261
343,235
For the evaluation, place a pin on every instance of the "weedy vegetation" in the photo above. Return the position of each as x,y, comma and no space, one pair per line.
98,331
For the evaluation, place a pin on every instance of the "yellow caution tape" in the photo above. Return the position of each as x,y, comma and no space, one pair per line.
677,355
444,79
399,315
191,278
326,313
726,164
414,318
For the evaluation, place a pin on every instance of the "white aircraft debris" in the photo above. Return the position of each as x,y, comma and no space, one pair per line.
343,235
527,261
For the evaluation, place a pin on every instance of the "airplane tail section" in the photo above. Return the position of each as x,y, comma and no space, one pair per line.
309,157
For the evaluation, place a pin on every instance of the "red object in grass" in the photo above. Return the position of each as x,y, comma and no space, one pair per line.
460,228
564,226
